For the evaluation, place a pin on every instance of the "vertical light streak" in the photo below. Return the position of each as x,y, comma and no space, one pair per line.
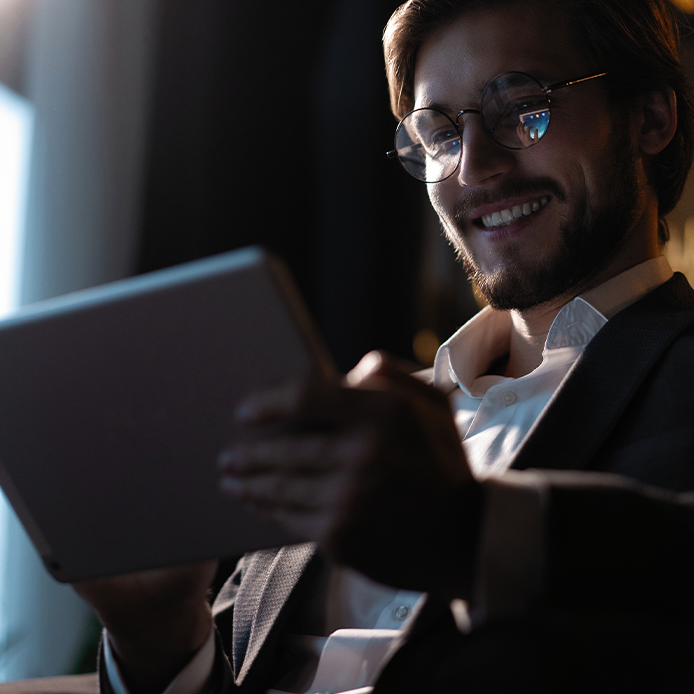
16,129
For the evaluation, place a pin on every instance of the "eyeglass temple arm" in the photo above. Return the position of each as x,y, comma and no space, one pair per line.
561,85
395,153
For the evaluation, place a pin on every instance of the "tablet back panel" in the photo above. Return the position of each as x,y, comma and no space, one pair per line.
116,401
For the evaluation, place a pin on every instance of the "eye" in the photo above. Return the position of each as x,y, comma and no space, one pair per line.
527,112
445,142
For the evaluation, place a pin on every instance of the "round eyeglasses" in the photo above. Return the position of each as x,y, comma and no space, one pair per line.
515,112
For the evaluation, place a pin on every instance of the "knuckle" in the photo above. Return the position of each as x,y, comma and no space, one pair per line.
302,395
397,409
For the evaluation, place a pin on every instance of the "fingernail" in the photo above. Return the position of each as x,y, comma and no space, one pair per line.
230,485
245,412
228,459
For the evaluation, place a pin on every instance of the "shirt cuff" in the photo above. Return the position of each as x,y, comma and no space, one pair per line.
510,566
190,680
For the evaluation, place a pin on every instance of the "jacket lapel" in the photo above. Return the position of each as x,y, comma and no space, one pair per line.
261,603
604,379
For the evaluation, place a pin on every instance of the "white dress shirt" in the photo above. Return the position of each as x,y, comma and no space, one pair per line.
493,415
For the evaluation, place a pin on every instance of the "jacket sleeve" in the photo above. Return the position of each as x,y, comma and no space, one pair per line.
566,540
613,543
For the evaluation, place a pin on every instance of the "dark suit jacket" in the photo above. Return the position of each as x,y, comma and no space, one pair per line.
619,566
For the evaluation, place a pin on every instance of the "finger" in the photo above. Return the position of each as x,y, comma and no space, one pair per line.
307,455
299,456
299,493
376,362
303,403
380,371
302,523
273,403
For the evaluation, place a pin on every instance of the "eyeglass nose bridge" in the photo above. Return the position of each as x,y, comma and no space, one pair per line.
464,112
459,126
476,112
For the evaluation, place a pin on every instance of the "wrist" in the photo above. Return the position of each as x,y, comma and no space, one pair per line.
150,657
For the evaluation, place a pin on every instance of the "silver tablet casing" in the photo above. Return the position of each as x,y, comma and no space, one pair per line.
116,401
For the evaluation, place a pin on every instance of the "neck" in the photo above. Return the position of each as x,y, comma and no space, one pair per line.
528,335
531,326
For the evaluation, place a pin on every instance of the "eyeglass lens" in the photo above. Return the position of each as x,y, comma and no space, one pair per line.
514,111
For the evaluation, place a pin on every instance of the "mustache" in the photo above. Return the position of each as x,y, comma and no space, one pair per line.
534,187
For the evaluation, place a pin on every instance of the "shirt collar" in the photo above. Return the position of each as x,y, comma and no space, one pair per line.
621,291
487,336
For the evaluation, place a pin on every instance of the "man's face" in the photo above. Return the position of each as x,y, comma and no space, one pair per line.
581,179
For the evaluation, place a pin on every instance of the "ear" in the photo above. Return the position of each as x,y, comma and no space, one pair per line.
658,120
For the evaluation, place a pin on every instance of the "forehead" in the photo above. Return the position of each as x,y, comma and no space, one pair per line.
455,63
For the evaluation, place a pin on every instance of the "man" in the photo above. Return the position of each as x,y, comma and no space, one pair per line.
556,137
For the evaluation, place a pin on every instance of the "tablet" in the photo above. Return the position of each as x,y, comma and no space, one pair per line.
116,401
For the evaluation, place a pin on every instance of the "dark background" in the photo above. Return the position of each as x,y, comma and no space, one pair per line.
269,125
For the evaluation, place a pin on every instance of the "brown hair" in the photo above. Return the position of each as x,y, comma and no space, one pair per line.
635,41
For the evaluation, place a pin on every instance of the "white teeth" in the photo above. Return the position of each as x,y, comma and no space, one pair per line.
505,217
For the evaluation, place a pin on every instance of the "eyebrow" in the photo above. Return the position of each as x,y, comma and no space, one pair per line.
439,106
476,92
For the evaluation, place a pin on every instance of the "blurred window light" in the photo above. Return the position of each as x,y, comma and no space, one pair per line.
16,130
680,249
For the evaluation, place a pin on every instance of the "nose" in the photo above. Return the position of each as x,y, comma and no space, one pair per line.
482,160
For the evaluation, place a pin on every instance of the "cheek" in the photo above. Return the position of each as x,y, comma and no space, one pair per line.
582,152
590,179
442,200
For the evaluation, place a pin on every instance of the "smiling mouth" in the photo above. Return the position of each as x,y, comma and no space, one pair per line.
503,218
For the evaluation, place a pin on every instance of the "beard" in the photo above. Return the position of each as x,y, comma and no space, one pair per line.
590,234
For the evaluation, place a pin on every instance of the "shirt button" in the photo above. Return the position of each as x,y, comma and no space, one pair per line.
400,613
508,398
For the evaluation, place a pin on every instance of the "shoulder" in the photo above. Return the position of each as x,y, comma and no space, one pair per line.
674,295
